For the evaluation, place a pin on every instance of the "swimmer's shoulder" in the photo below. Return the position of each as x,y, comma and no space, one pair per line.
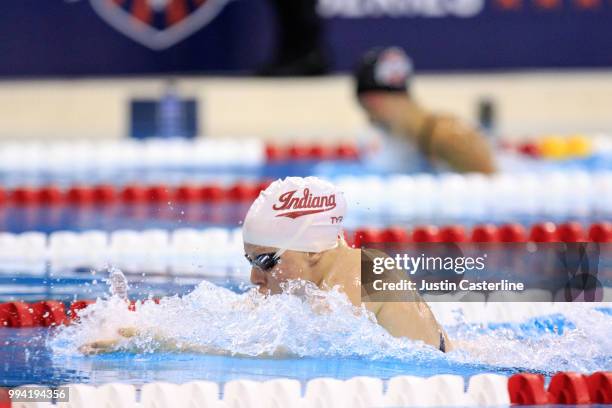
371,253
345,274
373,303
367,276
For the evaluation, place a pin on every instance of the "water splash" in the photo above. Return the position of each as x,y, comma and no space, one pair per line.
307,322
304,321
117,283
577,337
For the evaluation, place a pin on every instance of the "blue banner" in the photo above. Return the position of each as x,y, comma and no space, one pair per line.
119,37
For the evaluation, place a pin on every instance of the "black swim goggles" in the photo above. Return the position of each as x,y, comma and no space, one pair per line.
265,262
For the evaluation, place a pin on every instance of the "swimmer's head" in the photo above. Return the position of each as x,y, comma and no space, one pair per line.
288,227
382,78
290,265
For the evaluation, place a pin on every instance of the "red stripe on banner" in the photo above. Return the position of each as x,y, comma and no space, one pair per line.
510,4
587,4
548,4
117,2
177,10
142,11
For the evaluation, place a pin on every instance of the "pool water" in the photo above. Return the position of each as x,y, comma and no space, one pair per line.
28,359
88,284
318,333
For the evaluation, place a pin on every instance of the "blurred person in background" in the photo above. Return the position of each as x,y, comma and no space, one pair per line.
382,80
299,48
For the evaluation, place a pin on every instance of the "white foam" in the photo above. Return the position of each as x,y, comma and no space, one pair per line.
306,321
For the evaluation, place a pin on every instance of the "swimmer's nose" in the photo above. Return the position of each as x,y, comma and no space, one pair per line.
258,277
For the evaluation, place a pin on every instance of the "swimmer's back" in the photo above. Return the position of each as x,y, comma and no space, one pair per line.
402,313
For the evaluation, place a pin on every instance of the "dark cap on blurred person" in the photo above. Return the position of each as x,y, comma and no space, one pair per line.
383,69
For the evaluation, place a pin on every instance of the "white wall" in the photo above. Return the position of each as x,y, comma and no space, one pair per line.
92,108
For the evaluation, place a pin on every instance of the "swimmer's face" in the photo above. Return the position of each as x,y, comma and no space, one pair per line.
382,108
292,265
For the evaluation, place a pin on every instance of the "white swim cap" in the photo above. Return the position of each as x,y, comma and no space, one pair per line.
299,214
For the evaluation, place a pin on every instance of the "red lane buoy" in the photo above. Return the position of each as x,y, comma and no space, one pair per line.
512,233
364,236
242,191
347,151
80,195
601,232
24,196
49,313
485,233
544,232
5,400
262,185
527,389
453,233
212,193
275,152
571,232
395,235
298,151
426,234
105,194
50,195
133,194
530,149
188,194
569,388
20,314
5,317
158,194
77,306
320,152
600,387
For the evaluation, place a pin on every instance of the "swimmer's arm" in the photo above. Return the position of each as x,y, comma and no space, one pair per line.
165,344
108,345
464,149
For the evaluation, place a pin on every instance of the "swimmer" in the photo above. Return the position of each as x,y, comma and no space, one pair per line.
293,230
382,87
